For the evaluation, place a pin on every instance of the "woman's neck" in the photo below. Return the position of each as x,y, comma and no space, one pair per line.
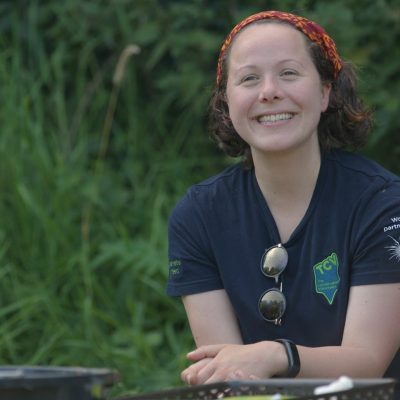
287,174
287,183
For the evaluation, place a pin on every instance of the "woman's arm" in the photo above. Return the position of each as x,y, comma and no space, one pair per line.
211,318
216,331
371,338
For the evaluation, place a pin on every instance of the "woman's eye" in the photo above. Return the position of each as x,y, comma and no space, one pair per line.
289,73
248,78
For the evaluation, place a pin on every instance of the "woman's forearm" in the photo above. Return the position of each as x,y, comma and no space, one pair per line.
334,361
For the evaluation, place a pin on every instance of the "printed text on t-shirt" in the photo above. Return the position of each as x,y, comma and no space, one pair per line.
393,226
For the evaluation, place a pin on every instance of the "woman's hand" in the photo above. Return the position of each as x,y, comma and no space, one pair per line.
223,362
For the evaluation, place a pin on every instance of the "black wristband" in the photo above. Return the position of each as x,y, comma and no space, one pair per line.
292,356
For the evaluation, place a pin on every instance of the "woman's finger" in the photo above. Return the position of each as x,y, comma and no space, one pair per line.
205,352
190,374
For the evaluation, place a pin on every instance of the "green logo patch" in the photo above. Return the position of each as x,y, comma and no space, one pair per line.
175,268
326,275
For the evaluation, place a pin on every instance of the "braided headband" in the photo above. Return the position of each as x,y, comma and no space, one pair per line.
312,30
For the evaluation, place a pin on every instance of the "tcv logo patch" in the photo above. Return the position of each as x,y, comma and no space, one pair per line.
326,275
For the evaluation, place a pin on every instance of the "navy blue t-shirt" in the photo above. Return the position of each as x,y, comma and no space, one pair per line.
349,236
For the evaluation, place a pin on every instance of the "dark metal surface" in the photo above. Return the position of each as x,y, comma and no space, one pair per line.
301,389
55,383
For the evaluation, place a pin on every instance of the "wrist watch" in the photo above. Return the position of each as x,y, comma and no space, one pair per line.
292,356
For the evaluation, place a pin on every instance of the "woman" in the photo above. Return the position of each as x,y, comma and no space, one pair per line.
288,264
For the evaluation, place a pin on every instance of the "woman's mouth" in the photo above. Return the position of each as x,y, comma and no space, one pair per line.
270,118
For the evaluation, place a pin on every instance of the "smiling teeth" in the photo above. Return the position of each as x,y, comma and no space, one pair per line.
275,117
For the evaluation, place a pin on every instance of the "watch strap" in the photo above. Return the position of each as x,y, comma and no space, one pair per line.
292,356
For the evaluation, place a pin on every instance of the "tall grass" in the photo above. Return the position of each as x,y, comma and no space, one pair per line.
88,176
90,169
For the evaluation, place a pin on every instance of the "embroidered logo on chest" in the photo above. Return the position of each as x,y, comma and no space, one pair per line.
326,277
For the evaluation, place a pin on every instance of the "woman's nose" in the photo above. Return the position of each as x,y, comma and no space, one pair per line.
270,90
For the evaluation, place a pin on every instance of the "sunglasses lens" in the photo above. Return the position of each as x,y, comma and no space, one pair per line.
272,305
274,261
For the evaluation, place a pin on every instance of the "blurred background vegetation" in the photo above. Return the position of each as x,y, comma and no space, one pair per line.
90,168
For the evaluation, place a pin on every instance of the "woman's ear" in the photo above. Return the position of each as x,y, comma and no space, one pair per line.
326,91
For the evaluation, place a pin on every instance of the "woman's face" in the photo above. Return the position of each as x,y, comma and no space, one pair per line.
274,91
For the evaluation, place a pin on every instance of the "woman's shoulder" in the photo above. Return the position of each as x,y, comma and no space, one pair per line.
360,167
228,182
215,192
373,190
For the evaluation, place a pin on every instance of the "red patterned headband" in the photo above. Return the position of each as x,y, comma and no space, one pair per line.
312,30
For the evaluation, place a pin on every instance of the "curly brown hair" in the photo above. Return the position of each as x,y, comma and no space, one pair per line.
346,122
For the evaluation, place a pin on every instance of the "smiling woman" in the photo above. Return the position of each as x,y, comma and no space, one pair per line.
346,121
280,254
274,93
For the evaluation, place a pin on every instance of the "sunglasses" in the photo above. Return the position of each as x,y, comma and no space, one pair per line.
272,303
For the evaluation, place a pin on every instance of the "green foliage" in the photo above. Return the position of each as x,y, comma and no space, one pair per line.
90,168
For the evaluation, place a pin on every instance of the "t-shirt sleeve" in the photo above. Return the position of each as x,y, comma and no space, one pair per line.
192,268
376,234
